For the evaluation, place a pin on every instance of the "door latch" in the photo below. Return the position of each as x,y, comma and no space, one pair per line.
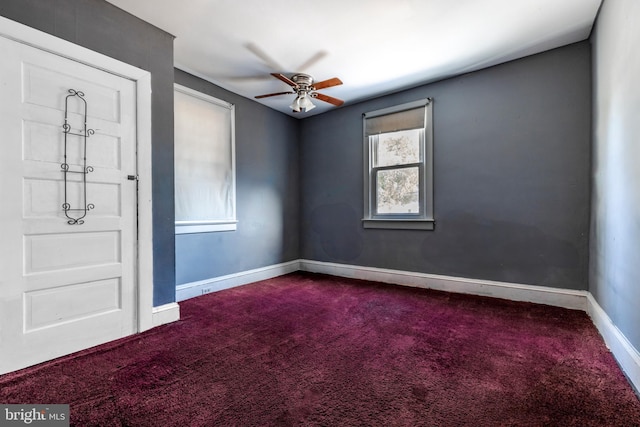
132,177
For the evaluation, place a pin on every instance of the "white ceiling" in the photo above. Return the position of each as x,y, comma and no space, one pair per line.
373,46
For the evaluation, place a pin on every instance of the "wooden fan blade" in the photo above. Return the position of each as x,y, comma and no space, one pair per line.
327,83
330,99
309,62
285,79
273,94
253,48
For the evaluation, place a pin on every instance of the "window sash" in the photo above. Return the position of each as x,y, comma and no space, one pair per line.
375,145
375,191
373,141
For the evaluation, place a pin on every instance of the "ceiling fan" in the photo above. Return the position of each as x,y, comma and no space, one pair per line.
305,88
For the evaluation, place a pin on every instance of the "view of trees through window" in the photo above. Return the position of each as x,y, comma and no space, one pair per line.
396,165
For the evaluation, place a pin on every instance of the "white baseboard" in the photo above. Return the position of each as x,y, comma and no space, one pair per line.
566,298
625,353
166,313
201,287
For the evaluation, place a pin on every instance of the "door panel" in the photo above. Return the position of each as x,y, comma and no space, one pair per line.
43,87
52,306
64,287
45,253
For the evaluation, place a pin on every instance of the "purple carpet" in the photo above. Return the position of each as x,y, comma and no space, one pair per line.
307,349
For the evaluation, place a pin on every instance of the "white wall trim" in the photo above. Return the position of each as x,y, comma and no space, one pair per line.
625,353
201,287
166,314
49,43
145,205
566,298
212,226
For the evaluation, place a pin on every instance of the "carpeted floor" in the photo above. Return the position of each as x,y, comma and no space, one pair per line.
307,349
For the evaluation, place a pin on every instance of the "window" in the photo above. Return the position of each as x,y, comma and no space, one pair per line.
398,146
204,163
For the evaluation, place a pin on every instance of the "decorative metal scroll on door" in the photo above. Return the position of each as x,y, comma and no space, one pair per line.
75,215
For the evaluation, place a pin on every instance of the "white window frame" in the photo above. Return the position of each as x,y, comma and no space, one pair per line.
206,225
424,219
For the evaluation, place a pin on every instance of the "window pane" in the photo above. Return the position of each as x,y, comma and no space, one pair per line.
396,148
397,191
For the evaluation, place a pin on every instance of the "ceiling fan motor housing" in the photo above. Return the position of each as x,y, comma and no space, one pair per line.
304,81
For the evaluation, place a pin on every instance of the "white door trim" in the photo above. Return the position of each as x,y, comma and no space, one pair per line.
44,41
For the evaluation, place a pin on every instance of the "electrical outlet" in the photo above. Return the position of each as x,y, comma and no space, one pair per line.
206,290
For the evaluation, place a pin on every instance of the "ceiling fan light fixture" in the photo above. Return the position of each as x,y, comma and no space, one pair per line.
306,103
302,103
295,105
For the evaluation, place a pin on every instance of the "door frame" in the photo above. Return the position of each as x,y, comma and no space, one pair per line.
147,316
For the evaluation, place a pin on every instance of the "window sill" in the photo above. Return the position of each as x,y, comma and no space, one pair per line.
188,227
400,224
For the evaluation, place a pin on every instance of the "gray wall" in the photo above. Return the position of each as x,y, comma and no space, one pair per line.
101,27
512,147
512,177
267,170
615,225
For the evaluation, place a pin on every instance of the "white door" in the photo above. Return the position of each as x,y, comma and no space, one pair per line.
64,287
